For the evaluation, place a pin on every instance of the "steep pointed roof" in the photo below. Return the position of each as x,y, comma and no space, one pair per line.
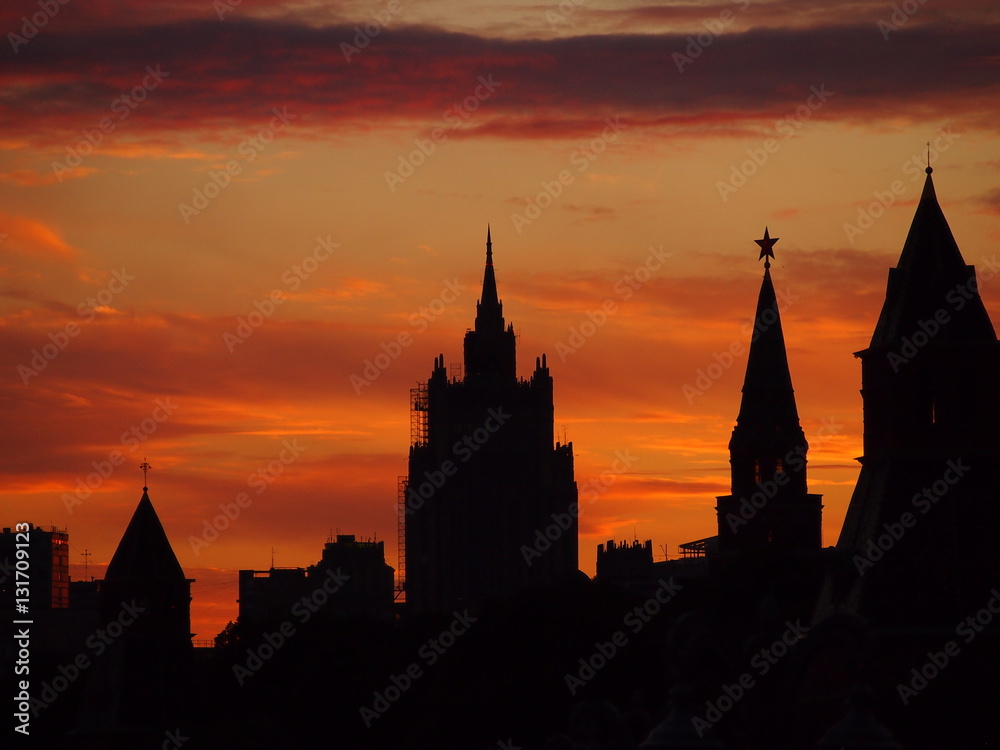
931,276
144,551
768,399
489,310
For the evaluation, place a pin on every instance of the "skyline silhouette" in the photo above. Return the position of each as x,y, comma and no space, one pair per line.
855,617
241,251
641,197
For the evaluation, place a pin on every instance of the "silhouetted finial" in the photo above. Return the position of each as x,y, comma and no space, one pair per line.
86,563
145,467
766,248
928,170
489,247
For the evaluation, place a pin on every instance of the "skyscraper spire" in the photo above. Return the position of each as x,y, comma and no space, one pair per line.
490,347
489,310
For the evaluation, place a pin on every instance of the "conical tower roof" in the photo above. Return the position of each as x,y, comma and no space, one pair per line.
768,397
144,552
931,281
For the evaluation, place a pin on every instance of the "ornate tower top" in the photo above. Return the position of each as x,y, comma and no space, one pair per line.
489,309
490,348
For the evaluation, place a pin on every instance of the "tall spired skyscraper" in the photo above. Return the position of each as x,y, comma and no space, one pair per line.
770,506
490,501
922,528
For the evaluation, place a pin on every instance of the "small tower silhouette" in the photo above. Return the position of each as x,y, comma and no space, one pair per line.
770,506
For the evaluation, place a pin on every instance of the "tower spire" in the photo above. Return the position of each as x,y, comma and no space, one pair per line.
924,282
768,404
489,347
768,446
489,310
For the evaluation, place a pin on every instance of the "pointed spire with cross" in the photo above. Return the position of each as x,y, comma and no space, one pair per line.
86,554
145,468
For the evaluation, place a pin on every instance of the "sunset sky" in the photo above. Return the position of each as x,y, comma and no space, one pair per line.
324,172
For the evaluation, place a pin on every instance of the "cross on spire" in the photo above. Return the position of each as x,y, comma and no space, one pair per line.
766,248
145,468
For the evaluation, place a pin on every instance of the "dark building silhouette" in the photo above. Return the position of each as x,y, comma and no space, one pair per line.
362,580
919,542
135,689
48,551
627,565
770,506
489,503
267,596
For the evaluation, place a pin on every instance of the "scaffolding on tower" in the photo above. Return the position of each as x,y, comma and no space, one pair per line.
418,414
400,592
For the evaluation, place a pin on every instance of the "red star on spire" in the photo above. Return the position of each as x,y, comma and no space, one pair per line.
766,248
